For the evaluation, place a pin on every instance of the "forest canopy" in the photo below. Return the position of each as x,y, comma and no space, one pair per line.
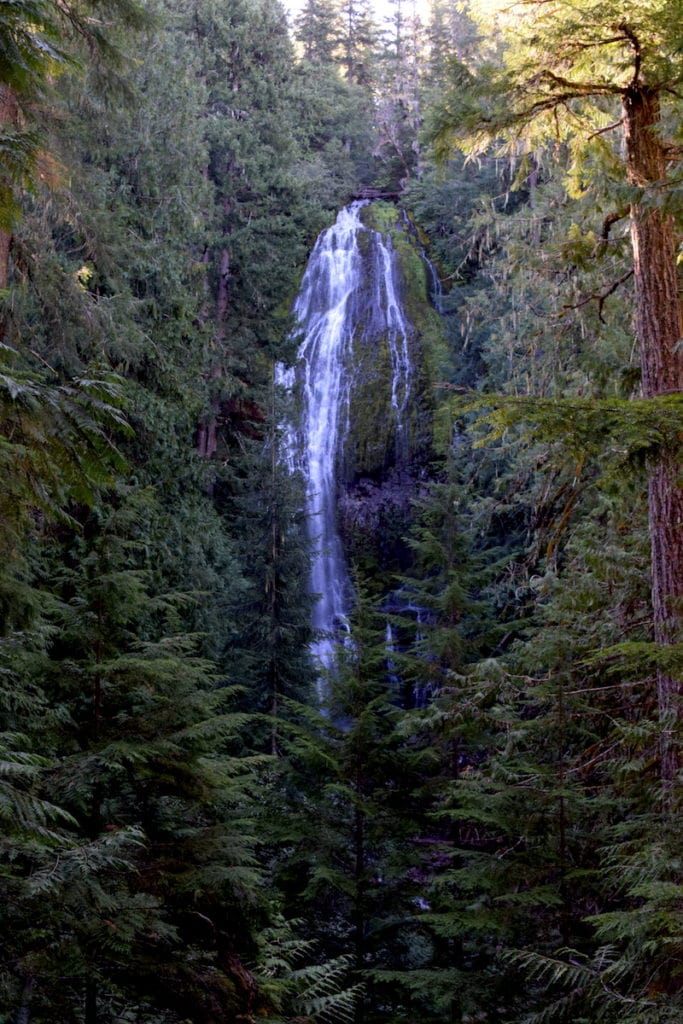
473,816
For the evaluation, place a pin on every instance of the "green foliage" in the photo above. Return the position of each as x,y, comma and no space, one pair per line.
333,126
132,850
174,818
269,650
532,555
57,444
575,59
620,433
347,861
39,40
317,29
293,987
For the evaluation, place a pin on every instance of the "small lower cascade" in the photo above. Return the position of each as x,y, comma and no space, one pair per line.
349,299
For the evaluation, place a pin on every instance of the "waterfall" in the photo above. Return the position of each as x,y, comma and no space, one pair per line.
350,296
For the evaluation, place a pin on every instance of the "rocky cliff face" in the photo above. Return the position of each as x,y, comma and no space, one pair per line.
388,432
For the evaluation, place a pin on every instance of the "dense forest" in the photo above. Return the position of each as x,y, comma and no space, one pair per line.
472,815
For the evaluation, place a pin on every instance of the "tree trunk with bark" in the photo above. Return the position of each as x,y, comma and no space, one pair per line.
9,118
207,431
659,330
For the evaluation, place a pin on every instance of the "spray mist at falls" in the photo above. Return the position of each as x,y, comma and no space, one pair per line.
349,303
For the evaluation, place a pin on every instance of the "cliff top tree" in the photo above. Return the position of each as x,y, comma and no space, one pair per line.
317,30
38,38
575,73
358,40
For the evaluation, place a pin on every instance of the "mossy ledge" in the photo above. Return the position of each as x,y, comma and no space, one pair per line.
383,462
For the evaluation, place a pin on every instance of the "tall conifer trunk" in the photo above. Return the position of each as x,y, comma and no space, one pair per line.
90,1008
9,118
659,330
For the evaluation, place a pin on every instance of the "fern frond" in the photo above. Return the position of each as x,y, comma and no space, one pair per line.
80,864
323,995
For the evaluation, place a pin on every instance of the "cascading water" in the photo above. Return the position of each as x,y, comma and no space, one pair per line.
350,295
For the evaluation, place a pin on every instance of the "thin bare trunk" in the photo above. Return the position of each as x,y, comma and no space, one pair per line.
90,1008
24,1011
359,922
9,116
5,240
207,435
207,430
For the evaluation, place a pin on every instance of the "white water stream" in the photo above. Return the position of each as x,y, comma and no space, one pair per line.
350,294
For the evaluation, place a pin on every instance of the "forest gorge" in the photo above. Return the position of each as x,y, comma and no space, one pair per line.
470,814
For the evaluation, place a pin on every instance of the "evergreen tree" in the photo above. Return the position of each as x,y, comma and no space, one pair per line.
333,128
358,41
39,38
350,853
317,30
150,873
259,217
274,632
399,88
610,76
450,32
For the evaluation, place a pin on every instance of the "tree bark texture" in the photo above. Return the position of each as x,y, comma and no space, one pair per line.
659,329
9,117
207,431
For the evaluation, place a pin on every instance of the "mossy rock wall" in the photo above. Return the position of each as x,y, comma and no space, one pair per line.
382,461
